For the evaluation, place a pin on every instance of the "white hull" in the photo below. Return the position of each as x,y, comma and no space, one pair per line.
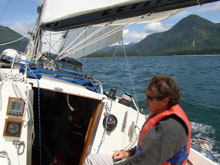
47,120
100,105
95,139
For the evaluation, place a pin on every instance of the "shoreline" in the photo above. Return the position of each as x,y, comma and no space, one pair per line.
150,56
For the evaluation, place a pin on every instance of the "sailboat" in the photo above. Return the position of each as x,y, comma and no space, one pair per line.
50,111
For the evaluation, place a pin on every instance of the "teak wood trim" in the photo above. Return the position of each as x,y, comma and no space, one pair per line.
90,131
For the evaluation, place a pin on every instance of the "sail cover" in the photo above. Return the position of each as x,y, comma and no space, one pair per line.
67,14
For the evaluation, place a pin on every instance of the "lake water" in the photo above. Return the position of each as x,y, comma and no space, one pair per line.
198,78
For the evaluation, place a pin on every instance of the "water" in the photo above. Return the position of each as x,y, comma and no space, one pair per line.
198,78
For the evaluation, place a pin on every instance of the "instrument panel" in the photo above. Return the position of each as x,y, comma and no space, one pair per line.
12,127
15,106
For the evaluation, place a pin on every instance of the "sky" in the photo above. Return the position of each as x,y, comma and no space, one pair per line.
20,15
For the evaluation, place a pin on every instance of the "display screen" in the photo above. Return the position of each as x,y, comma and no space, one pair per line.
15,106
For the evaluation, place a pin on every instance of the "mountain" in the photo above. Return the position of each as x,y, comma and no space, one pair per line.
191,35
110,50
8,35
116,46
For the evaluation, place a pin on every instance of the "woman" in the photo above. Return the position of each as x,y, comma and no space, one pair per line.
165,135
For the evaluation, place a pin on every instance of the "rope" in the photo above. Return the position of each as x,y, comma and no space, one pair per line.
4,154
6,8
205,146
14,60
103,134
68,103
131,144
71,51
73,41
130,75
52,46
39,118
12,41
100,86
96,89
84,40
53,33
2,81
112,55
198,103
19,94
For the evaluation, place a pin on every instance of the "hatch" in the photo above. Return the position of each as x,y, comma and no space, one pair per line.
66,126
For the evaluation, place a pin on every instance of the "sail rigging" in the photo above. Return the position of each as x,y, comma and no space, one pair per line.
59,42
104,21
84,41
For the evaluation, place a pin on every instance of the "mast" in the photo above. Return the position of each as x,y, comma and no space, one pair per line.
34,46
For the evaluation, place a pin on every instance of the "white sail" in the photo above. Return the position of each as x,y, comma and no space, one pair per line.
56,43
62,15
58,10
53,10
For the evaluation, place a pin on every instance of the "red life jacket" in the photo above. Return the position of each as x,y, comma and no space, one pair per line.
153,120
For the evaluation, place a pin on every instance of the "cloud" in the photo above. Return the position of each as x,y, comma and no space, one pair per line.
212,7
157,27
22,25
21,28
133,36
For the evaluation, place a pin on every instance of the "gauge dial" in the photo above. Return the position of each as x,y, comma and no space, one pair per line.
13,127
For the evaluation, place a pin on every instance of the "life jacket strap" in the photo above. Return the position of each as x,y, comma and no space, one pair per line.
179,157
137,149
